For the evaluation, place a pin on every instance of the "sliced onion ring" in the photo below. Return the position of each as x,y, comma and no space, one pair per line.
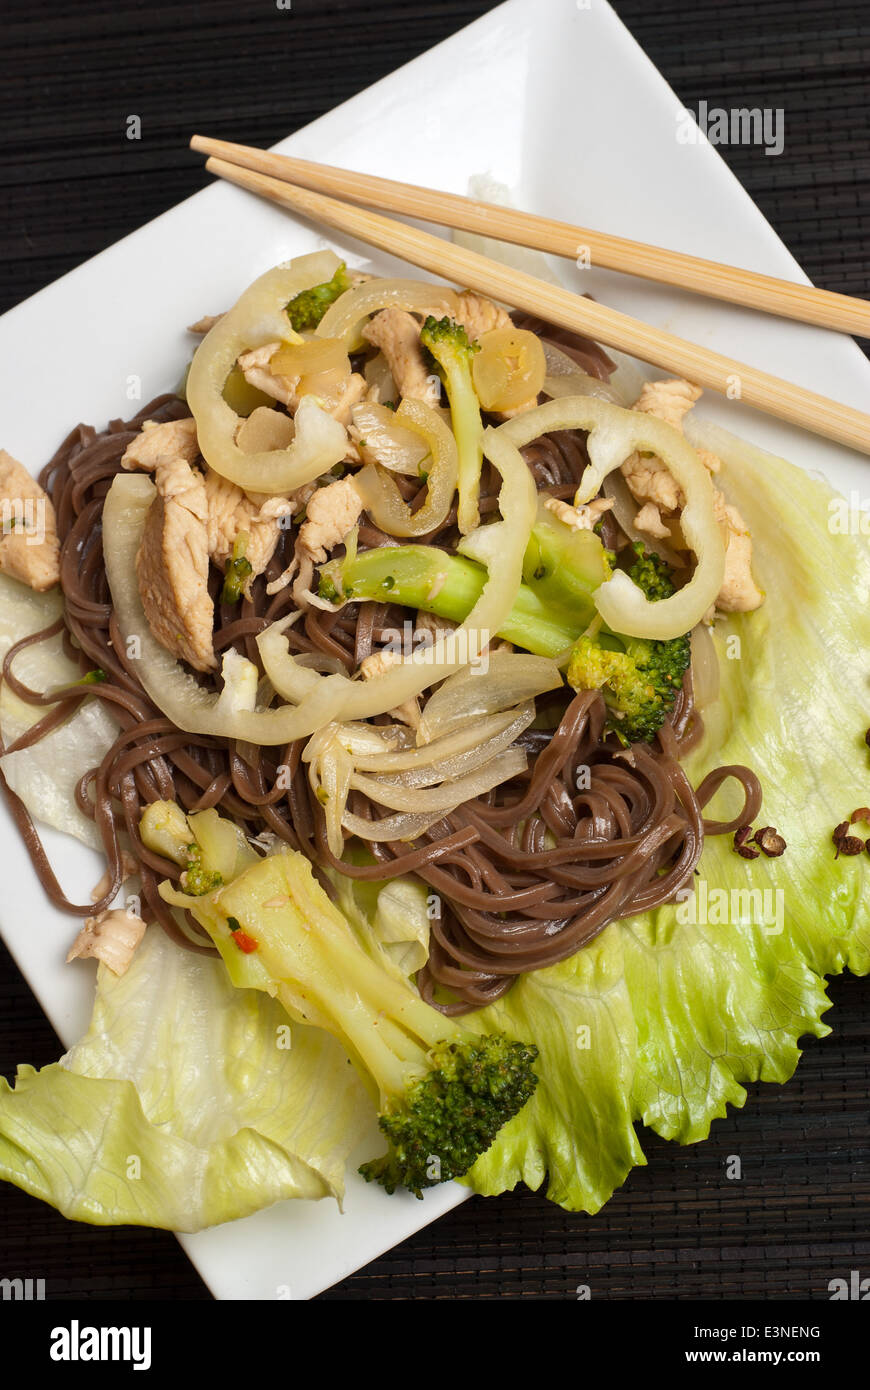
381,496
345,318
258,318
613,435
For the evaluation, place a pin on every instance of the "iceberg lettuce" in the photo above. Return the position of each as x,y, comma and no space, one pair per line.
665,1017
187,1103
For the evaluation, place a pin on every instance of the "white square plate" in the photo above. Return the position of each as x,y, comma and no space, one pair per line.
555,100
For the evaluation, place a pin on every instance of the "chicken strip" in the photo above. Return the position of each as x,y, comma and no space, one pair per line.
333,511
375,665
112,937
229,511
29,548
479,315
397,334
173,439
583,518
172,566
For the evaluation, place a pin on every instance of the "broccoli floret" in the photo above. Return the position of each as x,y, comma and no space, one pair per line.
448,345
639,677
443,1092
306,309
238,570
197,879
446,1120
651,573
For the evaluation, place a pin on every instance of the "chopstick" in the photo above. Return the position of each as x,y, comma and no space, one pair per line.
736,380
805,303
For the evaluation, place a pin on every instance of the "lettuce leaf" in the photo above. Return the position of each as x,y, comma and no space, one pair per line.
183,1105
665,1017
45,775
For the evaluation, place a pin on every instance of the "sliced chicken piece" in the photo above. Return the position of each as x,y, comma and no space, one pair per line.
432,622
397,334
254,366
172,566
479,315
668,400
229,512
205,324
739,592
29,548
111,937
375,665
582,518
649,519
161,443
333,511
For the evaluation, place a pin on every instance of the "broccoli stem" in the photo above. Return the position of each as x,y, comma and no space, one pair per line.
449,345
426,578
443,1091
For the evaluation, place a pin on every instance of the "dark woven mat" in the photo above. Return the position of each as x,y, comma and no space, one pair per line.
71,184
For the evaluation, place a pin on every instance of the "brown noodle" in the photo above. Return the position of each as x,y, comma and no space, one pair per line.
526,875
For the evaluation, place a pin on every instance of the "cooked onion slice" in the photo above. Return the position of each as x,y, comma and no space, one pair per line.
615,434
381,496
345,318
384,440
258,318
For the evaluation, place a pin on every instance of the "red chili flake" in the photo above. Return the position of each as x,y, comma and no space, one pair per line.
770,841
244,942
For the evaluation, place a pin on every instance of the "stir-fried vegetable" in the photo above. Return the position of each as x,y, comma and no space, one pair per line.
615,434
448,343
443,1091
307,308
509,369
316,698
258,318
380,494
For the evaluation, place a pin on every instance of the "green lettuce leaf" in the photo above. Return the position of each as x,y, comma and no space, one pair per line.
665,1017
183,1106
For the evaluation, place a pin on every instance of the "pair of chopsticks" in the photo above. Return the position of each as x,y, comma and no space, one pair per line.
302,186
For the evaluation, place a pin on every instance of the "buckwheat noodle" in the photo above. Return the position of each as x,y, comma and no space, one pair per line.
525,875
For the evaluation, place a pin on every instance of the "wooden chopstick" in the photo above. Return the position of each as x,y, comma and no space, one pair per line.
736,380
746,287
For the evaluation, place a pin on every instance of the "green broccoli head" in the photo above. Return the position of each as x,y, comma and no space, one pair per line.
197,880
447,344
306,309
450,1116
651,573
442,1091
638,677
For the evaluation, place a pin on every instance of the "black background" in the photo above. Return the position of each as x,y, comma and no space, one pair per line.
71,185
